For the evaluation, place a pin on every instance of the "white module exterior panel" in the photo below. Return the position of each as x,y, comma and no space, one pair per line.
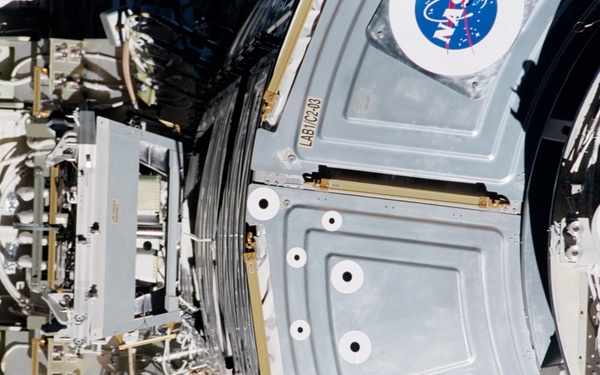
105,275
116,211
354,106
374,286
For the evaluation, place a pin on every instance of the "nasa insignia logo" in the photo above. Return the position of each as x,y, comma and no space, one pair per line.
456,24
455,37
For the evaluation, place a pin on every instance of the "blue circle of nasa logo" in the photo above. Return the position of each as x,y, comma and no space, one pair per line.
455,37
455,24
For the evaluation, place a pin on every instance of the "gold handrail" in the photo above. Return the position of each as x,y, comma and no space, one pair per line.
260,335
36,110
35,357
285,56
346,186
52,220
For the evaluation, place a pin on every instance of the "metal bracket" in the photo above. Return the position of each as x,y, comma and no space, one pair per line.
55,307
59,153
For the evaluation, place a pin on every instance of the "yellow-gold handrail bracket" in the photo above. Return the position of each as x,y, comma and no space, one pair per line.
36,110
35,354
353,187
127,75
131,360
52,209
152,340
260,335
268,104
287,50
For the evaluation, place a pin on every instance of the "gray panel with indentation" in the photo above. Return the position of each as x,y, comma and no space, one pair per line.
381,115
440,291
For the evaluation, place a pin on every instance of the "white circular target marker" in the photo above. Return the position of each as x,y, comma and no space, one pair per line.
296,257
263,204
300,330
355,347
331,221
347,276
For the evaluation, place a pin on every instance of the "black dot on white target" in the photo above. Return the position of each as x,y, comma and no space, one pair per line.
300,330
296,257
355,347
347,276
263,203
331,221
